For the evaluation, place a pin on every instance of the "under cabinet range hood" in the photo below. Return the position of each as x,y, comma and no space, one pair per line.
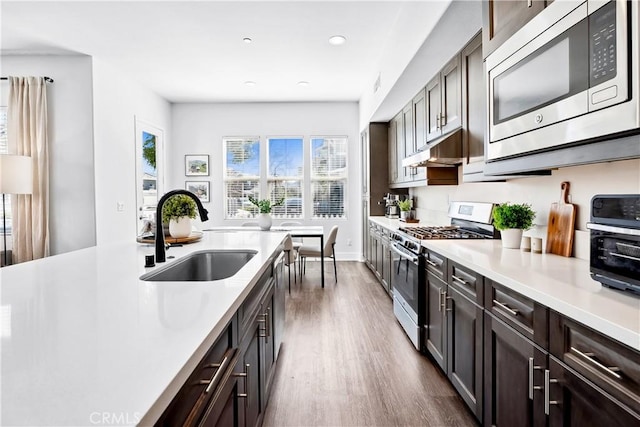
446,151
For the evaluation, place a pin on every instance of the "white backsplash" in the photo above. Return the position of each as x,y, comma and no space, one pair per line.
623,177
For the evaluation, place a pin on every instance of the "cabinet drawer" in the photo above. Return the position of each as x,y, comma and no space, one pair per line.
466,281
195,393
522,313
610,365
436,264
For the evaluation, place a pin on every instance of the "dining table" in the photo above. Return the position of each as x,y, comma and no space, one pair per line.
311,231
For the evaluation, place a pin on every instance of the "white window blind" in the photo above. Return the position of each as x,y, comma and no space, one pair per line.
328,176
241,176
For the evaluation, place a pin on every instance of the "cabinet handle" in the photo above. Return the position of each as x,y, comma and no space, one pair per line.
458,279
268,324
443,120
432,264
446,298
440,299
215,376
244,375
438,121
532,385
262,331
588,357
529,3
548,380
505,307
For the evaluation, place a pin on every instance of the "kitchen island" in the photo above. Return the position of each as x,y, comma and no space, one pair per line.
86,342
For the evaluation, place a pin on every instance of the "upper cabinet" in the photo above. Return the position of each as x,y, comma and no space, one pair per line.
474,108
443,101
502,18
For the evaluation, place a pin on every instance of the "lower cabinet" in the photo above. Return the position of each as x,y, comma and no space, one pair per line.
379,255
513,377
231,385
575,401
453,333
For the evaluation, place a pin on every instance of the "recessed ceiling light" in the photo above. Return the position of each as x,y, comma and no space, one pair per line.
337,40
303,83
250,83
247,40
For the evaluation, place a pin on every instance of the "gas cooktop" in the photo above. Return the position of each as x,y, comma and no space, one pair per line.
442,232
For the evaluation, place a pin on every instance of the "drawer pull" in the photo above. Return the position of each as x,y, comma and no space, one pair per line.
445,303
588,357
215,376
458,279
262,331
244,375
547,381
442,299
505,307
533,387
431,263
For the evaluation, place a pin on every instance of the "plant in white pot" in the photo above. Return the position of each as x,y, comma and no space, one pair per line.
264,207
178,211
512,219
405,208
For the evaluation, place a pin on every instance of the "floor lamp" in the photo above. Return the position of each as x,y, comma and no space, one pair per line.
16,177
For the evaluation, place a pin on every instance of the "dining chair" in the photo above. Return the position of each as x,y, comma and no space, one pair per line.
314,251
290,257
297,242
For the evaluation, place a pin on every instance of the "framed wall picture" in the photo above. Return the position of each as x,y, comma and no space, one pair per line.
196,165
199,188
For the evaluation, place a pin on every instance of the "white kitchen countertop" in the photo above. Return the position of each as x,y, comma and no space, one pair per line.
561,283
85,342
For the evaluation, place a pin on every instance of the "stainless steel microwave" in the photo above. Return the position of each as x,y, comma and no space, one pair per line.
570,75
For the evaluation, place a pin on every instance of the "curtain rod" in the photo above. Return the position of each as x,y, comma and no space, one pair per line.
46,79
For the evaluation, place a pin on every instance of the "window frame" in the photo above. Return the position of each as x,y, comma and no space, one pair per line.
315,178
249,178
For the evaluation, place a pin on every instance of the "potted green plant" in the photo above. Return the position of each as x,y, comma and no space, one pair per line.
178,211
512,219
264,207
405,208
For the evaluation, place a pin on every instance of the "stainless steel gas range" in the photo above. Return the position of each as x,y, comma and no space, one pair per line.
469,220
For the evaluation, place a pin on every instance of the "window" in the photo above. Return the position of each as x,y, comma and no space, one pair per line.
241,176
4,149
328,176
285,176
285,168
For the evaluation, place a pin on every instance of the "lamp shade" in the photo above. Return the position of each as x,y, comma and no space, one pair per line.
16,174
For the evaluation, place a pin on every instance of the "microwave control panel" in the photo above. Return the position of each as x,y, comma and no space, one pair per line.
602,44
616,209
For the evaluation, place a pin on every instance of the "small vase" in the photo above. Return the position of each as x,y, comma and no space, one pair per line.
264,221
404,214
511,238
180,227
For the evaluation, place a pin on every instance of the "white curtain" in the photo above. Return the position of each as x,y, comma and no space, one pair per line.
27,134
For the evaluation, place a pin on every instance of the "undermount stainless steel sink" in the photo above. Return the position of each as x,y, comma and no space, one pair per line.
202,266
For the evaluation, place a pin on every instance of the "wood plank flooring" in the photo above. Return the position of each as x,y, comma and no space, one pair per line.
345,361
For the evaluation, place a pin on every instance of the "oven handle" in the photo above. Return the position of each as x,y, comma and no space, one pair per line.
611,229
413,259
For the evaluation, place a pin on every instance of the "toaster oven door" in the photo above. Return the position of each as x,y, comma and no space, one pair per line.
615,256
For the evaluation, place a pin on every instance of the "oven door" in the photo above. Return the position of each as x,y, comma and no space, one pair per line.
576,65
405,279
615,256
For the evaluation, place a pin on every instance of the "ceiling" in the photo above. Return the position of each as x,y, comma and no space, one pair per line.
193,51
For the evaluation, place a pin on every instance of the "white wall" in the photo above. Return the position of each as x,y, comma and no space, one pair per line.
621,177
118,100
71,163
199,129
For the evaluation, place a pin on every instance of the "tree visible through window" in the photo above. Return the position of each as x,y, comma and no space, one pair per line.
286,174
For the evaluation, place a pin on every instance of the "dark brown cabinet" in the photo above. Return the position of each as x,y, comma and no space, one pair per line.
435,328
443,101
380,255
513,377
224,408
573,401
502,18
419,132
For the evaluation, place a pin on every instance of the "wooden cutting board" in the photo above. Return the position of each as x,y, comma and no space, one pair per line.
562,218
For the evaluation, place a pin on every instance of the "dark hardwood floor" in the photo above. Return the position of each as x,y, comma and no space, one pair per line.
345,361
